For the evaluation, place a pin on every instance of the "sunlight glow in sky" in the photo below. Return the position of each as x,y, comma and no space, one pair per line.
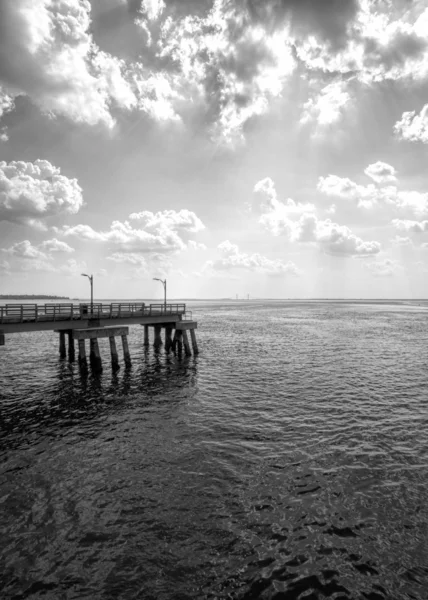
276,148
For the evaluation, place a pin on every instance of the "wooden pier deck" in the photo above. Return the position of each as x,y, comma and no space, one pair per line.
86,321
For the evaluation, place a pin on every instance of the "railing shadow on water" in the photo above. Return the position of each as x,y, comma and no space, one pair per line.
74,397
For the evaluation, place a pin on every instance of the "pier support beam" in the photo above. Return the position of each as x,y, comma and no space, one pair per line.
62,352
114,356
194,343
95,356
146,335
158,338
82,353
71,355
186,343
126,354
168,339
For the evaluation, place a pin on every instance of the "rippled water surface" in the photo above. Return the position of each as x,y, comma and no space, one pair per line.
289,460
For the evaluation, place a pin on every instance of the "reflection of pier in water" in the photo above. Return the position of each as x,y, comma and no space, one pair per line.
91,322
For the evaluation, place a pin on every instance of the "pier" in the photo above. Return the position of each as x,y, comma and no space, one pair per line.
81,322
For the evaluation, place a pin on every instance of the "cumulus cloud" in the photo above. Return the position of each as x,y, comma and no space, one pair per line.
327,108
413,127
232,258
382,268
55,245
6,105
276,217
30,192
410,226
130,257
334,239
192,245
401,241
160,232
233,65
381,172
152,9
25,249
274,214
380,195
47,53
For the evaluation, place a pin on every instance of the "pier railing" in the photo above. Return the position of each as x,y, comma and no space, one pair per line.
21,313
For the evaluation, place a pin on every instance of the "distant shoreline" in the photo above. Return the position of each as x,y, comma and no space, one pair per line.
31,297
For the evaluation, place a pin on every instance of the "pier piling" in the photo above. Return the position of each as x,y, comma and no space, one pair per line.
179,340
71,354
194,343
62,352
126,354
114,356
158,337
82,353
146,335
168,339
95,356
186,343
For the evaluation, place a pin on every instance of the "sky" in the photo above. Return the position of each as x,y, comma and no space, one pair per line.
270,148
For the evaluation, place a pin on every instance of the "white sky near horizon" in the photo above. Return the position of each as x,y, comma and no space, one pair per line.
276,148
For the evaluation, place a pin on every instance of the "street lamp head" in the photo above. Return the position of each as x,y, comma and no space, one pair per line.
84,275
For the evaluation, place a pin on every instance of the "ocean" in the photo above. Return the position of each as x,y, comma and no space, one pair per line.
288,460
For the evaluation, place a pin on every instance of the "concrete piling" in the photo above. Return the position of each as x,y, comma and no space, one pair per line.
82,353
194,343
168,339
62,352
95,356
71,355
186,343
179,340
146,335
2,339
114,356
158,337
126,354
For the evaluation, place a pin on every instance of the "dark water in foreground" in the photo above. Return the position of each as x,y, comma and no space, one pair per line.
288,461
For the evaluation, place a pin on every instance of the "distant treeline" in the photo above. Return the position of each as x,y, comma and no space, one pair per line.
31,297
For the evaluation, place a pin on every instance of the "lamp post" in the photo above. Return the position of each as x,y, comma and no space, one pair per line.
91,279
163,282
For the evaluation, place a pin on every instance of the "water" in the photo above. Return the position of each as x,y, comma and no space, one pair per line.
287,461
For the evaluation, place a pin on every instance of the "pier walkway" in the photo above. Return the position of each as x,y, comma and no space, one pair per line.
93,321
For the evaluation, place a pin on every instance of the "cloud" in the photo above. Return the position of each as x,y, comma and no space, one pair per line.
327,107
25,249
183,220
233,259
55,245
382,268
376,196
413,127
229,64
381,172
160,232
130,258
328,20
333,239
47,52
30,192
401,241
192,245
152,9
410,226
276,217
384,41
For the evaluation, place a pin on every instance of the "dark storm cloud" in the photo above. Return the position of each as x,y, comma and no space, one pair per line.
328,19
